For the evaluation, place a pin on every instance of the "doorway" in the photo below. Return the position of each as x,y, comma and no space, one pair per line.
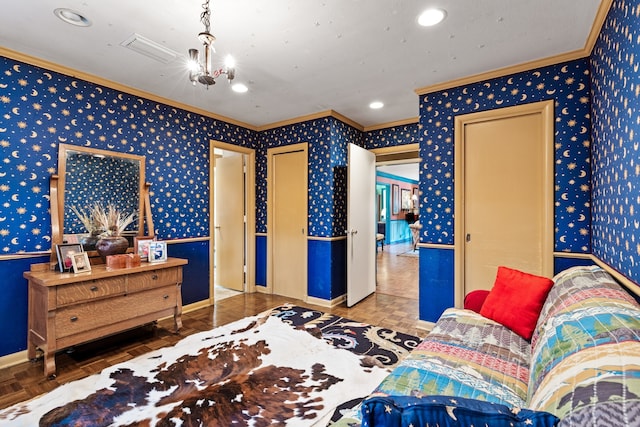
503,193
232,251
397,263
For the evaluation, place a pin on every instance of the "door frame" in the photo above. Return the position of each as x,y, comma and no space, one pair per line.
250,203
271,153
545,108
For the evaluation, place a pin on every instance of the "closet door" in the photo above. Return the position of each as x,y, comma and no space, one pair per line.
506,194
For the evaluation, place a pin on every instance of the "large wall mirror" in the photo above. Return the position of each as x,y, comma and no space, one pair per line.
87,176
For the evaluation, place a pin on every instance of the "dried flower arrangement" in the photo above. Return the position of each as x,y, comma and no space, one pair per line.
103,221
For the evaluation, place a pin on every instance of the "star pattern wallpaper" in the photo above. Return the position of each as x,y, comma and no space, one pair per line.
393,136
41,109
568,85
615,84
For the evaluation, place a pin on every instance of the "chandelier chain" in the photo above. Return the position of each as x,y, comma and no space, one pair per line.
205,17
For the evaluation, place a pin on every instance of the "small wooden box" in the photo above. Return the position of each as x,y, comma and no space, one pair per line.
123,261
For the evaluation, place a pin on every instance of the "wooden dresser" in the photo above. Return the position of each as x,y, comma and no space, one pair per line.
67,309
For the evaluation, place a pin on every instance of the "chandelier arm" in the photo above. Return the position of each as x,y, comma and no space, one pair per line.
205,17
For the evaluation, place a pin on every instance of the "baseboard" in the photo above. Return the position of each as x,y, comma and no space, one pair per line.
13,359
326,303
425,326
195,306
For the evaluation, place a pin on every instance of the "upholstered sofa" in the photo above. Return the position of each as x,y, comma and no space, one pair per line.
580,367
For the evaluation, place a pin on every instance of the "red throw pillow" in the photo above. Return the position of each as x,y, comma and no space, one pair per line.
516,300
474,300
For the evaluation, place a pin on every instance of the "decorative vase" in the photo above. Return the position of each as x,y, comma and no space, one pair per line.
89,242
112,245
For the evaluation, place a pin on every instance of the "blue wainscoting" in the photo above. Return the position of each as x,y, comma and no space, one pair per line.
14,303
399,231
436,282
195,275
261,260
561,263
327,270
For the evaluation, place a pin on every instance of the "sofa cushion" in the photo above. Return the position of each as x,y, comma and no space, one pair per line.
474,300
465,355
586,349
443,411
516,300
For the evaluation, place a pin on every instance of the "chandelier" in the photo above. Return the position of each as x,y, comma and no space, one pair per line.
202,72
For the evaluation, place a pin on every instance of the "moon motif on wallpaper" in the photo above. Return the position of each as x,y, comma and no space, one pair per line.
74,122
63,100
16,68
581,217
565,111
564,69
14,241
34,176
74,84
523,97
110,146
88,143
99,89
88,106
583,129
565,153
582,174
111,110
99,126
487,85
48,75
34,92
61,139
564,196
14,154
47,238
563,239
499,101
47,156
47,115
120,96
33,218
34,134
510,80
551,92
16,111
119,131
580,86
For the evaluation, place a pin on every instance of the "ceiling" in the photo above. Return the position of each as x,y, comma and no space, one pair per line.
301,57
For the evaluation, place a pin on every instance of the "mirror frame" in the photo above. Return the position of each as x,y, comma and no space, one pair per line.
58,189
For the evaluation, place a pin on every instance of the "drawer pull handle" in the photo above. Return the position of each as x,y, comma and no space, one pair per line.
166,297
154,277
74,318
93,288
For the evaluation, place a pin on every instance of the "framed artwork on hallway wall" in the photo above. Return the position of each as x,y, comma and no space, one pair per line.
395,199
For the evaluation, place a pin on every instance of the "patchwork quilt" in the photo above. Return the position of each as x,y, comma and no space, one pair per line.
288,366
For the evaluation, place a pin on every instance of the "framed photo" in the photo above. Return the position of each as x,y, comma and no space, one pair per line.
80,262
65,252
406,199
157,251
395,199
141,245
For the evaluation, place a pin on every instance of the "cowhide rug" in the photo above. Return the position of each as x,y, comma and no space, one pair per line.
288,366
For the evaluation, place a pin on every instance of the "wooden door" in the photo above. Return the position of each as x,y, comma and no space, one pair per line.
230,236
504,199
287,227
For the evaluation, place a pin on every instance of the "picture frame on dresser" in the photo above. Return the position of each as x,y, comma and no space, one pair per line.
157,251
65,251
141,245
80,262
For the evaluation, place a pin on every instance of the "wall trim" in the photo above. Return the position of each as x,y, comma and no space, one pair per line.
13,359
409,121
92,78
24,255
598,22
326,303
572,255
313,116
396,149
425,325
435,246
327,239
188,240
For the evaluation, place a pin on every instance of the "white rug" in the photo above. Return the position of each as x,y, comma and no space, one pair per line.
257,371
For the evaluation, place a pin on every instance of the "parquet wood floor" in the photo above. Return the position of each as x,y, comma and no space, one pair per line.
384,308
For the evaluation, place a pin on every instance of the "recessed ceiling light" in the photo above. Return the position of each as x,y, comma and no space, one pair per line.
431,17
72,17
375,105
239,87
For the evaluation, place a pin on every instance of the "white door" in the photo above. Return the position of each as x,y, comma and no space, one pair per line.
229,222
361,224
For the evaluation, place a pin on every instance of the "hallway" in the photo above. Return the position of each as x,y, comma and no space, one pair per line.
397,271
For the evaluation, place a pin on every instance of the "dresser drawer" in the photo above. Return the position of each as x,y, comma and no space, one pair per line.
91,289
90,315
154,279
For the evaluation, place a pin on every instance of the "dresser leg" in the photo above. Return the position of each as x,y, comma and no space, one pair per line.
50,365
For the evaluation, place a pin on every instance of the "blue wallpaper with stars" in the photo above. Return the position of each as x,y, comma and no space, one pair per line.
568,85
41,109
615,82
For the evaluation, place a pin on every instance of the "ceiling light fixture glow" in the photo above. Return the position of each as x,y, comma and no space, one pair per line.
202,72
72,17
376,105
239,88
431,17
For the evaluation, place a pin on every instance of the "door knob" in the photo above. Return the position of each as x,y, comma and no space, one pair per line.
468,237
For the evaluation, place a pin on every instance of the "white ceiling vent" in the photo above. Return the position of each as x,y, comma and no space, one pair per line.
149,48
